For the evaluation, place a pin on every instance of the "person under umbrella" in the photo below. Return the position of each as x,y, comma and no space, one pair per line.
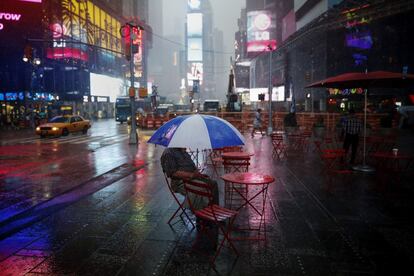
178,165
195,132
351,128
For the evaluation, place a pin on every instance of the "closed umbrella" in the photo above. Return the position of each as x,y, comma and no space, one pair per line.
374,79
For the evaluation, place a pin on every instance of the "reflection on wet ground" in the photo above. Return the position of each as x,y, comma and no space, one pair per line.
117,224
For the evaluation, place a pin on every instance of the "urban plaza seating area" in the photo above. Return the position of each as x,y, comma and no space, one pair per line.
294,194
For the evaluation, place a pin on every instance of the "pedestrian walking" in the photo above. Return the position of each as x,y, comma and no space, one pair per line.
257,122
351,127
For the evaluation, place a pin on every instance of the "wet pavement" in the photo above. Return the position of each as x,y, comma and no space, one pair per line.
95,205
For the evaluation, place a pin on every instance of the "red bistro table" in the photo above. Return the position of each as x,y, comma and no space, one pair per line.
251,180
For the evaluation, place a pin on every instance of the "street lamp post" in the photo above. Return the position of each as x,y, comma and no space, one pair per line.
133,136
270,125
133,139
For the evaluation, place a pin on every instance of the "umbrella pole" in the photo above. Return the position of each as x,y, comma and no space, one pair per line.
364,167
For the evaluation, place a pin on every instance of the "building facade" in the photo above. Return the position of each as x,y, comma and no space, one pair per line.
319,39
200,56
59,53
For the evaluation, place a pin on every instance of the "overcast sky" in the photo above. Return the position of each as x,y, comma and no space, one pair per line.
225,15
173,17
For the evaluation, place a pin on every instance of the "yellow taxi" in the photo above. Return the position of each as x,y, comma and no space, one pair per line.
63,125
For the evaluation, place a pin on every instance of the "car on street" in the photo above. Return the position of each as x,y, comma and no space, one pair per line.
63,125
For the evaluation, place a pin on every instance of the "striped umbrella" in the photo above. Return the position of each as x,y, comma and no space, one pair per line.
197,132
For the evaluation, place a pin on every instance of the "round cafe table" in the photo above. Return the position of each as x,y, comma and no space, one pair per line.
249,186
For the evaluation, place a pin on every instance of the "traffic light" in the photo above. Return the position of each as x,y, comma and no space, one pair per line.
136,38
127,52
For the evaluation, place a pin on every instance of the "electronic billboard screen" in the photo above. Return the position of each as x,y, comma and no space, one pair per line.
195,49
194,24
278,94
194,5
105,86
360,40
261,31
194,72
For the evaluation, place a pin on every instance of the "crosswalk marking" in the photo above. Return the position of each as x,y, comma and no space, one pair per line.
61,140
87,140
120,139
76,139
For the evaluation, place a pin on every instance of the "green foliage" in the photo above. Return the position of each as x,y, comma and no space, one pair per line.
290,120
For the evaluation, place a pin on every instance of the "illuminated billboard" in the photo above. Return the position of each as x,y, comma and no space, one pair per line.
360,40
19,17
83,21
261,31
193,4
105,86
195,49
278,94
194,72
194,24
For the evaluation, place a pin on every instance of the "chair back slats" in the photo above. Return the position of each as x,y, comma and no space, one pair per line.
212,213
238,164
233,148
197,192
198,188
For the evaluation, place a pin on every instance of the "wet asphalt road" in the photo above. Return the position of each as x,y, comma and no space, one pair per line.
35,170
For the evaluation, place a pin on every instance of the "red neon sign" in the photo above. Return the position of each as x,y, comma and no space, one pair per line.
10,16
60,53
33,1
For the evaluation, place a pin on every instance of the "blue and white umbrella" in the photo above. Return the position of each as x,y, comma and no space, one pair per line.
197,132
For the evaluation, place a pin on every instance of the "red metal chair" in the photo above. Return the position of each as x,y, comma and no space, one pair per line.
216,159
279,146
234,165
212,214
181,210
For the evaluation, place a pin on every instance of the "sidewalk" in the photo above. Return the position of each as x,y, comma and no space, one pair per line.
121,229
